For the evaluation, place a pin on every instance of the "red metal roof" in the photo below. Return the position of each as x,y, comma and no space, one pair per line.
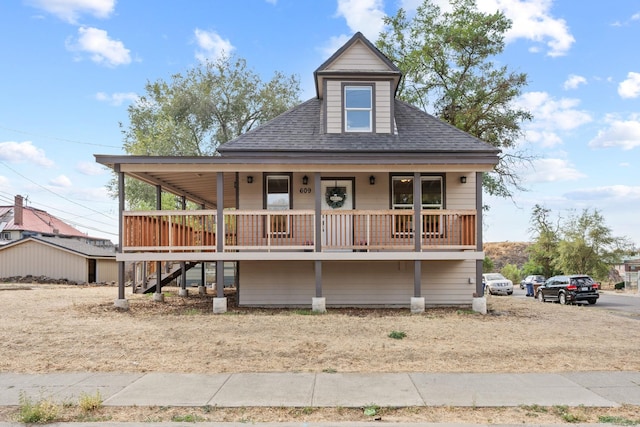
38,221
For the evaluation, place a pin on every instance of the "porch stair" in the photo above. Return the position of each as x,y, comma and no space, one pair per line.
165,279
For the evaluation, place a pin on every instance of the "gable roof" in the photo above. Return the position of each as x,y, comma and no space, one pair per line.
81,248
299,131
388,68
37,221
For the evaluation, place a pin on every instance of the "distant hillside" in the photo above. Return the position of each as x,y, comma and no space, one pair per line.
503,253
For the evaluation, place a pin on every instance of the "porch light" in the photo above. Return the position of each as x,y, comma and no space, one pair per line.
250,179
305,180
463,179
372,180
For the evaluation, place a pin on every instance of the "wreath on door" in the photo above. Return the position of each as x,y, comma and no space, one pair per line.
335,197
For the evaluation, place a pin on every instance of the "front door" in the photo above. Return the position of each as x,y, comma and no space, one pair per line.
337,225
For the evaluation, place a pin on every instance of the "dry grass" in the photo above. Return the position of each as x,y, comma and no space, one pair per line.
54,328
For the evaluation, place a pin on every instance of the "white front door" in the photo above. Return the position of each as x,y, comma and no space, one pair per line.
337,226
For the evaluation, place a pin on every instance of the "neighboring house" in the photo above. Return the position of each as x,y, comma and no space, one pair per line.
352,198
58,258
36,243
629,271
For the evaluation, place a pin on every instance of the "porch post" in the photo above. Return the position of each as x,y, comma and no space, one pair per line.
417,301
157,296
318,303
183,265
219,302
202,289
121,302
479,303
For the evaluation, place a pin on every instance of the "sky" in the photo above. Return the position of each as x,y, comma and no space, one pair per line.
69,69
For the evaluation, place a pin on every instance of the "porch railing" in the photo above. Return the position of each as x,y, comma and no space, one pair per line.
295,230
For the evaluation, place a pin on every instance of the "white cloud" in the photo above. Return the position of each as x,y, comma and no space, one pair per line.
573,81
613,192
543,138
554,170
211,45
630,88
365,16
100,47
533,20
551,114
620,133
70,10
60,181
18,152
117,98
90,168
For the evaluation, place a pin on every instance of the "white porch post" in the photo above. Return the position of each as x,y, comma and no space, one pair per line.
318,303
479,303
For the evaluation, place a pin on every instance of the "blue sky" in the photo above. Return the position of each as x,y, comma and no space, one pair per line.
70,69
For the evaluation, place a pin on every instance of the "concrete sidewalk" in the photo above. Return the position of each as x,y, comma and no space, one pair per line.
596,389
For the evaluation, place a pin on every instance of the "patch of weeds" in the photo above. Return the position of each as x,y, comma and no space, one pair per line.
620,421
568,417
466,311
534,410
330,371
397,335
41,412
189,418
371,410
90,403
207,409
192,312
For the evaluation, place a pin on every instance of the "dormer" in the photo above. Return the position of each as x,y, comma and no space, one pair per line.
358,85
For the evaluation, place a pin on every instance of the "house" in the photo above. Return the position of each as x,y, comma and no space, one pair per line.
36,243
352,198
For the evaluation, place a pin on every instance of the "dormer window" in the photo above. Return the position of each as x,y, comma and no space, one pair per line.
358,108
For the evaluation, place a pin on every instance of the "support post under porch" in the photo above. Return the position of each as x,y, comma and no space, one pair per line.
318,303
417,301
157,295
121,302
219,302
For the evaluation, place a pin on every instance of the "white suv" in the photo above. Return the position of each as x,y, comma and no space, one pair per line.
496,283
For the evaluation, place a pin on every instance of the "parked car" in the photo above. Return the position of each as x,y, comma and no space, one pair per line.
569,289
535,279
496,283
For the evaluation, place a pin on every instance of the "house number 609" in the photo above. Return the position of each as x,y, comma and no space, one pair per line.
305,190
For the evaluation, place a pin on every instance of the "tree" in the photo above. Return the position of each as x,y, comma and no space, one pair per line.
544,250
447,70
588,246
194,113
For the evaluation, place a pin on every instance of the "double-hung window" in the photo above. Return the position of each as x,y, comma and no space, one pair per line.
402,198
278,198
358,108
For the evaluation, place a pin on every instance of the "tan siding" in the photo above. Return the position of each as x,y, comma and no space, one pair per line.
460,196
358,57
334,106
352,283
107,271
383,107
447,282
42,260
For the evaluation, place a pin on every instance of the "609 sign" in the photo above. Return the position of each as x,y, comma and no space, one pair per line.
305,190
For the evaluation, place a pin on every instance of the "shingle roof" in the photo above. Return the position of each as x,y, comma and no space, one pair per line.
71,244
299,131
38,221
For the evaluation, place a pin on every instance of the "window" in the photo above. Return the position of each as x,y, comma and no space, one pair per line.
402,198
5,236
278,198
358,108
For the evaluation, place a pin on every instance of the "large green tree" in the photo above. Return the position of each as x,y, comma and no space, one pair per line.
544,250
195,112
588,245
447,62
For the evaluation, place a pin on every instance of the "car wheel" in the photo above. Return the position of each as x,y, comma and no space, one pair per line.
540,297
562,298
592,301
509,293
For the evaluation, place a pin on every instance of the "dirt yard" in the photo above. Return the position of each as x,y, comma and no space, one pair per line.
56,328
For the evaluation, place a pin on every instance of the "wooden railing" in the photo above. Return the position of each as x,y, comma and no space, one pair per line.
294,230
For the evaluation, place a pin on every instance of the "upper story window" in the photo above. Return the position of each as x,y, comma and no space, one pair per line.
402,192
278,198
358,108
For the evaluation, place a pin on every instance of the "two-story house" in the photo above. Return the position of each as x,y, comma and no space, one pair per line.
352,198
